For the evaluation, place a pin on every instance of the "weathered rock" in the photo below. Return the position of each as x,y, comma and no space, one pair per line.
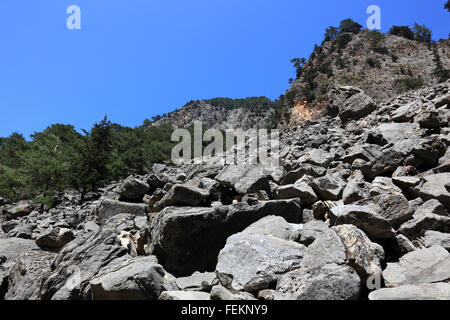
349,103
329,282
318,157
329,187
246,178
198,281
109,208
184,295
403,245
11,248
179,236
55,238
433,238
311,231
275,226
384,186
433,187
126,278
298,190
431,291
362,255
302,170
183,195
219,292
395,208
431,206
133,189
365,218
27,275
254,262
416,227
418,267
81,259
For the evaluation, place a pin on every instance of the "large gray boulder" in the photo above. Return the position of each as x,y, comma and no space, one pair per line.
245,178
365,218
297,190
311,231
420,266
126,278
329,282
109,208
188,239
11,248
183,195
350,103
329,187
55,238
275,226
198,281
133,189
430,291
254,262
31,269
433,187
416,227
432,238
81,259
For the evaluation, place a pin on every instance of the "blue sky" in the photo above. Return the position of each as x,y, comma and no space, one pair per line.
138,58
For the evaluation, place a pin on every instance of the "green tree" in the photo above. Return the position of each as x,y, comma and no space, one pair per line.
447,5
348,25
298,65
402,31
330,34
91,168
422,33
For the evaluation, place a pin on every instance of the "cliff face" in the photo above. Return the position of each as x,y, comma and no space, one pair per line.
382,68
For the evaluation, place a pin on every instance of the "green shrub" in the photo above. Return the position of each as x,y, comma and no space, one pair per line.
408,84
422,33
402,31
373,63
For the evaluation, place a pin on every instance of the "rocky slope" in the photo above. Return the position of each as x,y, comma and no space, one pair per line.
358,209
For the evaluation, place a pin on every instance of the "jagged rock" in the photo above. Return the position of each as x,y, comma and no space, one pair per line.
27,275
383,186
275,226
126,278
11,248
406,112
303,169
362,255
320,210
431,206
433,187
55,238
395,208
219,292
109,208
91,226
198,281
297,190
20,209
355,190
403,245
416,227
431,291
311,231
133,189
254,262
9,225
81,259
246,178
184,295
432,238
329,282
179,236
419,267
183,195
329,187
349,103
365,218
317,157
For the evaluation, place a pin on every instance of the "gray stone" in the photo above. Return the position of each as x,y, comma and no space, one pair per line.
55,238
219,292
133,189
109,208
432,238
125,278
311,231
27,275
297,190
329,187
246,178
416,227
187,239
417,267
275,226
365,218
11,248
183,195
432,291
431,206
433,187
198,281
184,295
254,262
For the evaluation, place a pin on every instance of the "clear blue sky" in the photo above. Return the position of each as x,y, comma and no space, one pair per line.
138,58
